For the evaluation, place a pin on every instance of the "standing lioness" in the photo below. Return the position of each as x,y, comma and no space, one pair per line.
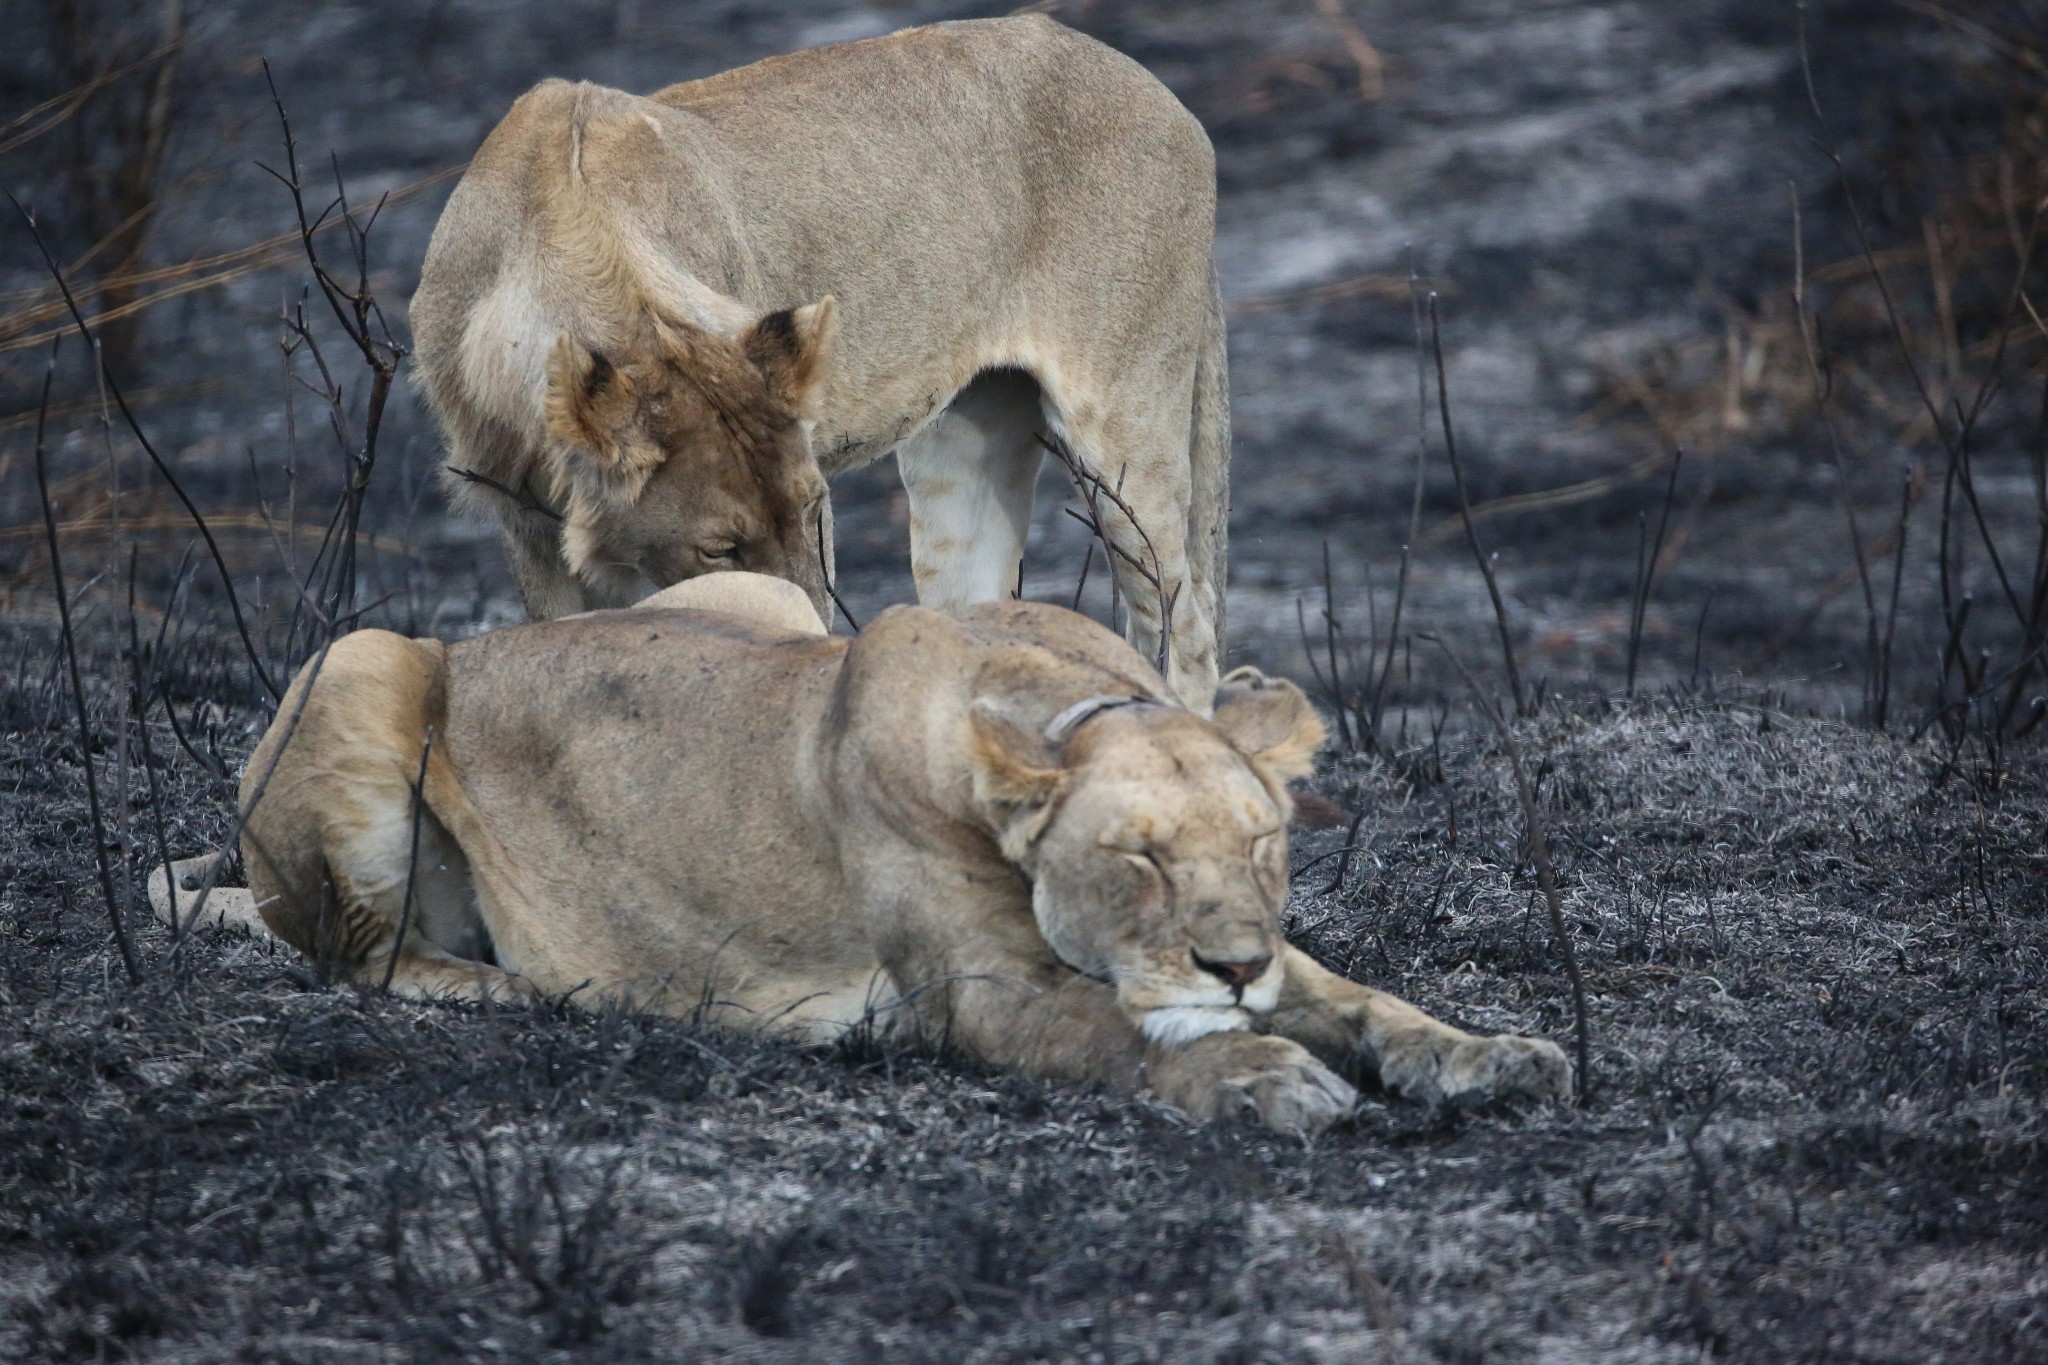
648,323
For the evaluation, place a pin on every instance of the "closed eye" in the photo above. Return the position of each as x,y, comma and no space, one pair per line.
1147,859
1266,866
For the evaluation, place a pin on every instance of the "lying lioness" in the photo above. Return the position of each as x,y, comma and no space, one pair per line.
991,828
650,323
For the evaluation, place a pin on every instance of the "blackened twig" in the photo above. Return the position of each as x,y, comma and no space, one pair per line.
1350,847
1500,610
831,588
412,863
362,320
1546,873
1647,572
1907,497
1094,490
1377,706
138,708
227,581
1822,398
521,497
92,786
1345,730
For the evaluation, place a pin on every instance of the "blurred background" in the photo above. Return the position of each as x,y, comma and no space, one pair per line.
1611,200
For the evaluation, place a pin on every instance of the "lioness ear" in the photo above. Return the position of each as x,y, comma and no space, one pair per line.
791,350
590,411
1016,776
588,399
1269,721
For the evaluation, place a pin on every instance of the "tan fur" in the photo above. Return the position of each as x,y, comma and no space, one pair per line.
801,835
771,601
663,317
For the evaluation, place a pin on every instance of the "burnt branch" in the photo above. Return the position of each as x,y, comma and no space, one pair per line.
1096,491
227,581
1546,872
1500,610
92,788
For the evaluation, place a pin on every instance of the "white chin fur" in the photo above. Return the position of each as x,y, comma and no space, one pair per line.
1179,1025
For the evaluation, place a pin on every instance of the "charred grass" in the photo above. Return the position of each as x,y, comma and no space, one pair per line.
1815,961
1813,952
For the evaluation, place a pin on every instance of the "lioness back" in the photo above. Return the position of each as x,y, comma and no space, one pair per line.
934,180
659,318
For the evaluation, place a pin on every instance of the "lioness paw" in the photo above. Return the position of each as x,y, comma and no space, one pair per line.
1475,1071
1507,1067
1229,1075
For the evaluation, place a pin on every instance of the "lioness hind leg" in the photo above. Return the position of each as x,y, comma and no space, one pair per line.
334,834
1136,441
970,477
1356,1027
436,932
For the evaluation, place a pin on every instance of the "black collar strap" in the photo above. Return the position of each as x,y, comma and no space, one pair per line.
1062,726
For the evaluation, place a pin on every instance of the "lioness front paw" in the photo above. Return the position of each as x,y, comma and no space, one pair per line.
1476,1070
1228,1075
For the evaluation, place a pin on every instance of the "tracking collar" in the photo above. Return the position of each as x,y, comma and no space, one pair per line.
1062,726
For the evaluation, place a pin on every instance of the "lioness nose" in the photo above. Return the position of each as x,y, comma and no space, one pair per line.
1236,975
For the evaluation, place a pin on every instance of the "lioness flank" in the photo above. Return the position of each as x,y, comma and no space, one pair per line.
991,827
649,325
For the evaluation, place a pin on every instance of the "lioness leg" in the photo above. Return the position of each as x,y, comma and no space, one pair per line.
1063,1026
970,477
1137,442
1352,1027
329,843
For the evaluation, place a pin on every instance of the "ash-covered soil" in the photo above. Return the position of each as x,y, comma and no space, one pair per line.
1815,961
1814,951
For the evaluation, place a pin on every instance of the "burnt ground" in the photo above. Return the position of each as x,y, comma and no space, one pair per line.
1814,949
1814,956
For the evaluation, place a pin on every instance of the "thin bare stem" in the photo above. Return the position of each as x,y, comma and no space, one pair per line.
1546,873
1646,572
114,390
1500,610
1379,687
832,588
1907,496
1094,491
92,788
1350,847
139,696
1823,401
412,863
1350,737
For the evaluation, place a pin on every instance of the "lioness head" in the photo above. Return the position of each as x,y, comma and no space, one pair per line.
687,452
1156,843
